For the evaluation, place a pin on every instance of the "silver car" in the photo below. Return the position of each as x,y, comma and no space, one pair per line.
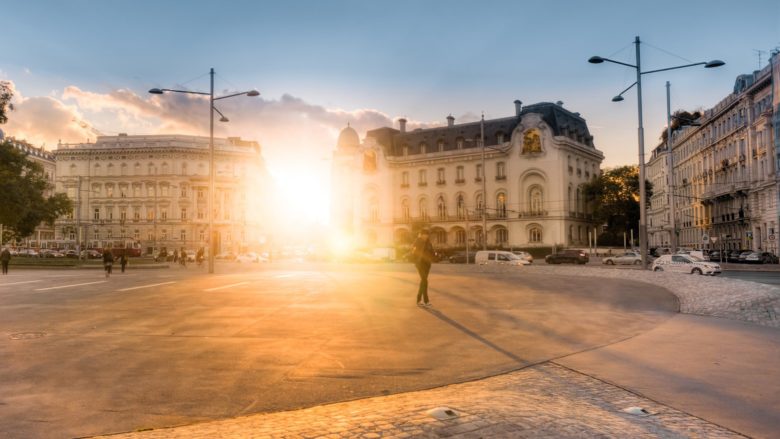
627,258
685,264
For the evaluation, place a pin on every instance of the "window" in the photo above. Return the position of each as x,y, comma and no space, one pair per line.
373,210
136,234
439,236
165,191
459,142
441,208
406,150
136,214
440,145
537,200
502,236
184,169
150,191
500,138
109,191
440,176
480,205
479,173
183,191
423,148
200,193
184,213
422,178
459,175
96,234
200,215
164,214
501,205
149,214
164,235
96,214
423,205
136,191
150,236
461,206
405,209
500,169
109,234
405,179
183,235
535,235
202,236
460,237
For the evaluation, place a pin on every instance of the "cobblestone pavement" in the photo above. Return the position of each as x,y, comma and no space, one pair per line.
544,401
701,295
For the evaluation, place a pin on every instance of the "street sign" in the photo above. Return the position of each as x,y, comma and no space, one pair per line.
714,239
705,238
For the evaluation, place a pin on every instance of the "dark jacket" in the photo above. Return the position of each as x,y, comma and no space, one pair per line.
107,256
5,255
422,251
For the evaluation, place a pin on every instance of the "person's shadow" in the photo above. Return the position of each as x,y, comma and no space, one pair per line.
443,317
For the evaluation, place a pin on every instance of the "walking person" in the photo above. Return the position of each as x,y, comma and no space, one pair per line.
183,258
175,256
108,261
199,256
5,258
422,253
123,261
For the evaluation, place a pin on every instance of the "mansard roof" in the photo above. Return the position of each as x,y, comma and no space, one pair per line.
561,121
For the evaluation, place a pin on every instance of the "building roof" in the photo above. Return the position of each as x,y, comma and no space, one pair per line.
348,139
30,150
561,121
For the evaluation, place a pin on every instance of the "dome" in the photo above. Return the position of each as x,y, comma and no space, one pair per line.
348,139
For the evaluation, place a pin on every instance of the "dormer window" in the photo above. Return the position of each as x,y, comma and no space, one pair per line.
500,138
440,145
459,142
423,148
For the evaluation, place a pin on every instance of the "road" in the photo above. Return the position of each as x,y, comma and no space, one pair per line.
85,355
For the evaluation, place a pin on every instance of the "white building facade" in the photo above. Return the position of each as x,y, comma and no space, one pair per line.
151,192
397,181
725,172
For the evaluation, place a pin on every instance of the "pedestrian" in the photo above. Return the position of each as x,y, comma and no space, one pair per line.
183,258
108,261
175,256
199,256
123,261
422,254
5,258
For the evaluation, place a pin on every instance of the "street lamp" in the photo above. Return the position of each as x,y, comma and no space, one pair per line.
212,109
641,132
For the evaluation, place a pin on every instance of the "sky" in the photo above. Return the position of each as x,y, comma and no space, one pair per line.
83,68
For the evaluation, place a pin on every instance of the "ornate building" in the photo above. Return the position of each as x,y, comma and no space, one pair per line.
151,192
535,161
725,171
44,233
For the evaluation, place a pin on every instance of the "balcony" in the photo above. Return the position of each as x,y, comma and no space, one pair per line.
533,214
500,177
422,184
441,183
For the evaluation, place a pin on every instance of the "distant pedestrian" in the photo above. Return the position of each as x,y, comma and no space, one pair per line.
5,258
199,256
422,254
175,256
108,261
123,261
183,256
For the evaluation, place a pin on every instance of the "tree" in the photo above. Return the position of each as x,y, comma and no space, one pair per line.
5,100
614,196
23,205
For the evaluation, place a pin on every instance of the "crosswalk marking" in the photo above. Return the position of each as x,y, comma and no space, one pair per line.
70,286
225,286
147,286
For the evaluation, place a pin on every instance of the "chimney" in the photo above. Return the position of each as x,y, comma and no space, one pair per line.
402,122
450,121
518,107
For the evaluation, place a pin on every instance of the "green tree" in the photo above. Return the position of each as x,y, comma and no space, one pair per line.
23,205
5,101
614,196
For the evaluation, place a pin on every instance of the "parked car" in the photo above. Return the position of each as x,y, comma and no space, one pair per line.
499,257
714,255
627,258
571,256
733,256
661,251
753,258
525,255
460,258
685,264
28,252
91,254
743,255
769,258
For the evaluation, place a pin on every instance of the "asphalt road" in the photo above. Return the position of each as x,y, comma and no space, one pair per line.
764,277
83,355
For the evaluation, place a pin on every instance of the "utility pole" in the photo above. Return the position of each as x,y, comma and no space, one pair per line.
670,169
484,183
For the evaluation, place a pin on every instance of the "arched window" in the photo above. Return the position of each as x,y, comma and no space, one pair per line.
500,137
150,169
501,205
536,199
461,203
480,205
110,169
123,169
423,208
502,236
373,210
423,148
535,235
439,236
500,171
165,168
459,142
405,209
97,169
460,237
442,208
440,145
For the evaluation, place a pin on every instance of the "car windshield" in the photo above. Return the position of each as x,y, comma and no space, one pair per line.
695,258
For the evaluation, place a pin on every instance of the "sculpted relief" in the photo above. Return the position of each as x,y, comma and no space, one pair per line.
532,142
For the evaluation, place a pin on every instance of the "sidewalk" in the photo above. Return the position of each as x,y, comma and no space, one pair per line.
694,376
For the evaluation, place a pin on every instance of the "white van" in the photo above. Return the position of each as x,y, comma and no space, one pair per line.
488,257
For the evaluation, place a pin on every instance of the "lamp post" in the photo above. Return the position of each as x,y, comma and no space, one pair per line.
484,184
641,132
212,192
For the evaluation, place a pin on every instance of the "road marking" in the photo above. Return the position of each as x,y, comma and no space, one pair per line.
17,283
69,286
147,286
225,286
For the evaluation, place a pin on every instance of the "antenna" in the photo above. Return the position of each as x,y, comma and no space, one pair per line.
759,53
